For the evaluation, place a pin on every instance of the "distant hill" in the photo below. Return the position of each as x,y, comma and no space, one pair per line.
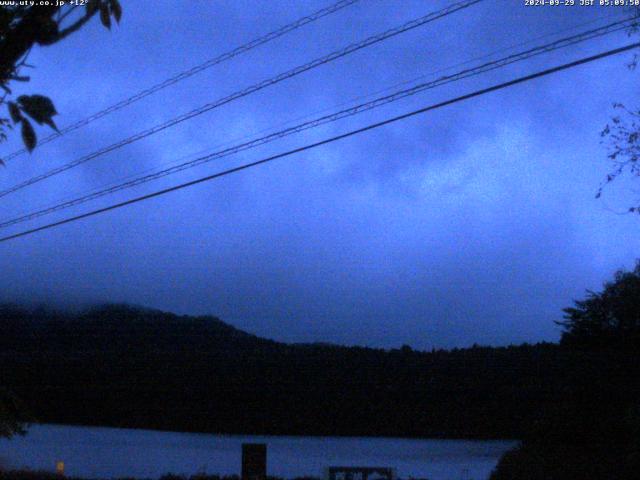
120,365
120,328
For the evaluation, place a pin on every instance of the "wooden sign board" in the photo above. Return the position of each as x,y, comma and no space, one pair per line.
360,473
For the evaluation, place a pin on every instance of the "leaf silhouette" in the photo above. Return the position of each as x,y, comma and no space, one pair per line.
40,108
116,10
104,16
28,135
14,111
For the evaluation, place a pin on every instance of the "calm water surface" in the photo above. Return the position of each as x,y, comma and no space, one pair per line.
109,452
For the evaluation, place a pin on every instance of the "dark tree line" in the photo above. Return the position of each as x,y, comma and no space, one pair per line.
123,366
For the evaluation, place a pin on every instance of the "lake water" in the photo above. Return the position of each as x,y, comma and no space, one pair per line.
108,453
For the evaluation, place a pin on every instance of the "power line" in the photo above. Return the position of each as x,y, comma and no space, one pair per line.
351,133
228,143
348,112
193,71
410,25
358,98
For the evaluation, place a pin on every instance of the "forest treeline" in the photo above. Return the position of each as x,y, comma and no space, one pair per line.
124,366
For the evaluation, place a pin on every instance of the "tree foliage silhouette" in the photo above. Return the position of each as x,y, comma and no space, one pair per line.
609,317
622,133
21,28
593,431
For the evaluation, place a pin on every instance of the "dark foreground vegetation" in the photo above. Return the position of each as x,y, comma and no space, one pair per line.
44,475
594,435
575,405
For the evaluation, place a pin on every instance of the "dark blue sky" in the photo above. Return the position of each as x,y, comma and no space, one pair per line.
473,223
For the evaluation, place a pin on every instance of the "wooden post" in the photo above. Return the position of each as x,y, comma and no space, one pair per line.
254,461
